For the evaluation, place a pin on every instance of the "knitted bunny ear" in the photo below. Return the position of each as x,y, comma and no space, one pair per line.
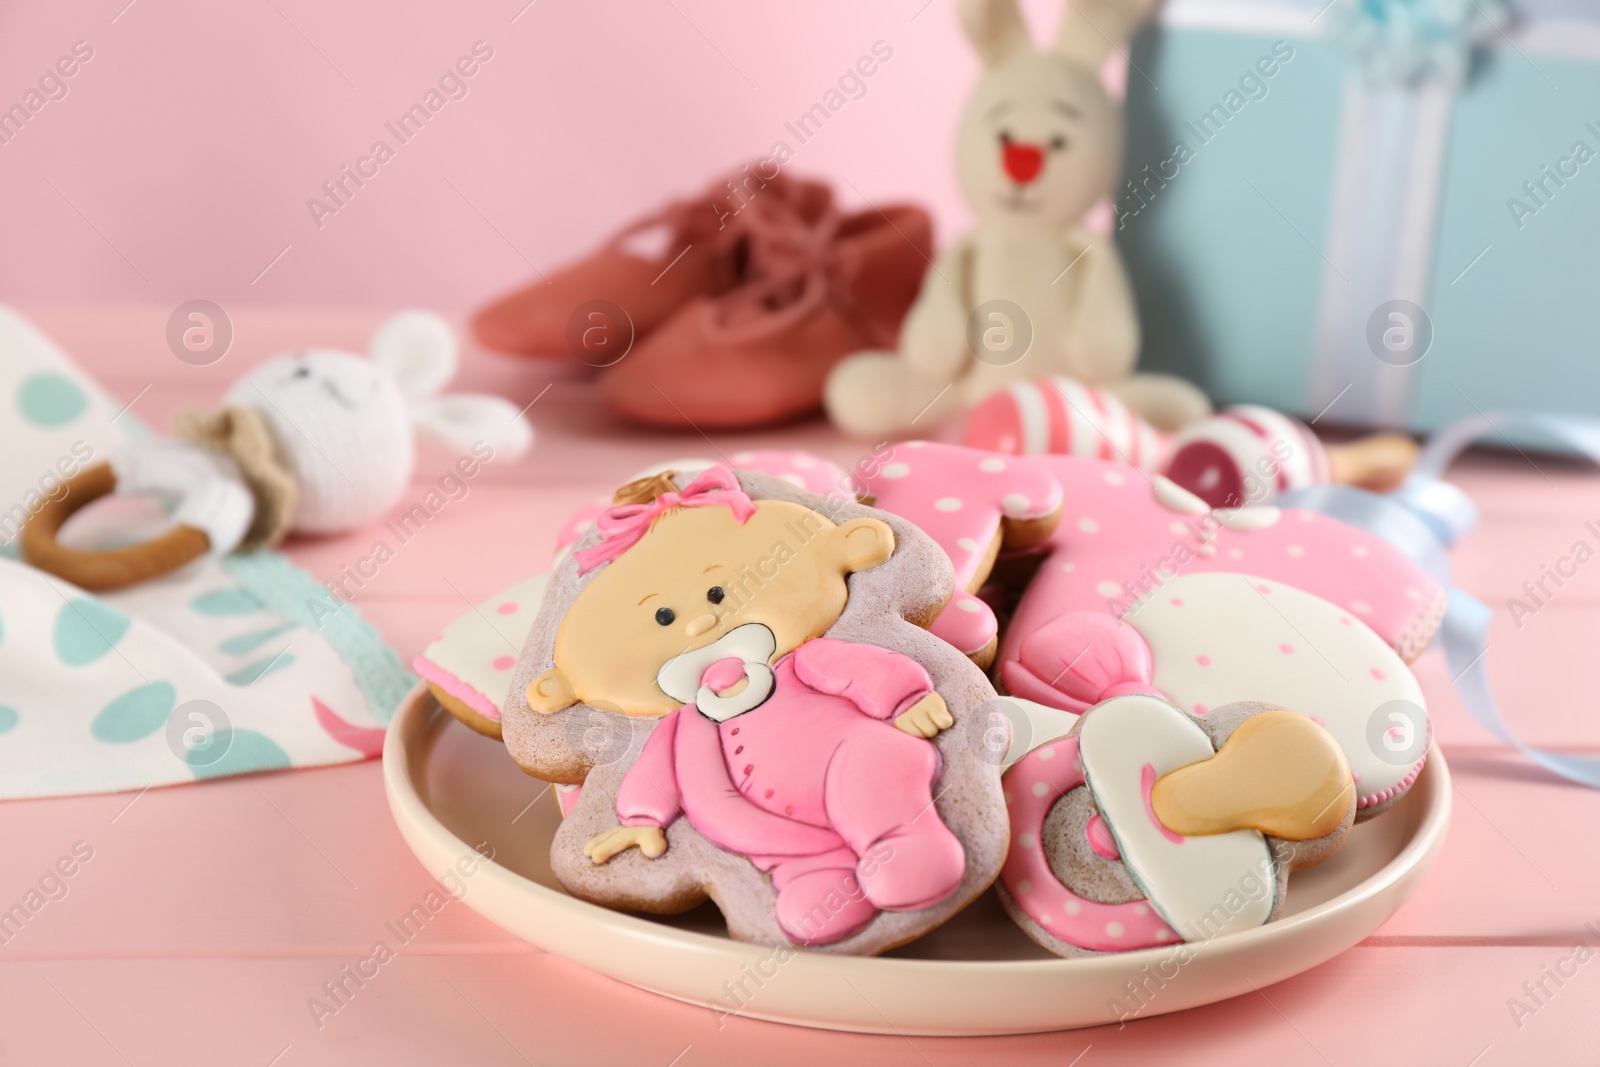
1091,29
995,28
418,349
463,420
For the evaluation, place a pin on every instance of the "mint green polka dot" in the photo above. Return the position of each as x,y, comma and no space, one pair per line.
137,713
243,751
50,400
251,671
86,630
8,718
236,601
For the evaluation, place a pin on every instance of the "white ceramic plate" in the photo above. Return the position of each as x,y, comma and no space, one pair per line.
451,790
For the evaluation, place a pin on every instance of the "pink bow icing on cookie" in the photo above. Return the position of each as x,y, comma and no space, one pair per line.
621,527
1078,659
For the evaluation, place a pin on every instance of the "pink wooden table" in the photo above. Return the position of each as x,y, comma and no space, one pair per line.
209,915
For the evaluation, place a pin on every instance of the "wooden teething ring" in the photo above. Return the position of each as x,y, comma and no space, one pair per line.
112,568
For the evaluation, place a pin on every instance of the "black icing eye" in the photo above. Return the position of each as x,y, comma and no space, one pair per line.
1057,143
664,616
715,594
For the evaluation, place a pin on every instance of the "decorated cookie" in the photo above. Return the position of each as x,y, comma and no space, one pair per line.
1147,826
975,505
468,666
785,738
795,466
1213,639
580,522
1143,584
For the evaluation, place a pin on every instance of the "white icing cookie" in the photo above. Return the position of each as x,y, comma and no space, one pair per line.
1191,882
1220,638
471,661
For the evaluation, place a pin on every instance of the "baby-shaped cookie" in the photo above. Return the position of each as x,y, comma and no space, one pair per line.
1147,826
791,742
975,505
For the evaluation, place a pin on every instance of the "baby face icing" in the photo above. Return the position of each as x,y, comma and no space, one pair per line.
700,589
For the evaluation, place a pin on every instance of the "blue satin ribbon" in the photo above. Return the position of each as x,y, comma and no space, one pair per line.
1424,519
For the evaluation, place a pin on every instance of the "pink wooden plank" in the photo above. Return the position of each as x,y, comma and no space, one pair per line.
1434,1005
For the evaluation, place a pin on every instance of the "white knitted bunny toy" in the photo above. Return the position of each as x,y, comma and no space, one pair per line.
316,441
343,424
1038,144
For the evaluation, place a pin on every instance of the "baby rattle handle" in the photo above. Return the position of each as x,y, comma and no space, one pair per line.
98,571
1379,463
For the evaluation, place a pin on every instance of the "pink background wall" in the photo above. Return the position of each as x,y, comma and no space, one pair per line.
193,138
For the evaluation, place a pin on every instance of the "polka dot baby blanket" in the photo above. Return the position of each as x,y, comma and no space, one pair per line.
227,666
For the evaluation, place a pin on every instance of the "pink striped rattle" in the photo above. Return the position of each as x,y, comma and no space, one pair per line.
1245,454
1060,416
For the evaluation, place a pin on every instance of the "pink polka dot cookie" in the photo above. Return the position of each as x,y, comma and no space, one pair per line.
975,505
468,666
1144,588
1147,826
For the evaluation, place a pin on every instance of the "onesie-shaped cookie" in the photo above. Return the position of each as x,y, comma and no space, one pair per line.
1146,589
1147,826
976,505
792,743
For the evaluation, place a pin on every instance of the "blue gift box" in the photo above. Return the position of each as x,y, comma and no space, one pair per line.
1374,212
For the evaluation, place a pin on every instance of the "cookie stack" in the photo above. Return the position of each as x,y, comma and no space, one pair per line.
800,692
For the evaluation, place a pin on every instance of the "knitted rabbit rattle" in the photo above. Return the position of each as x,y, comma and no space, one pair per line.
1245,455
316,441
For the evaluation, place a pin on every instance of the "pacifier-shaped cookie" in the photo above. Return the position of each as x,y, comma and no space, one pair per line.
1149,826
316,441
1278,773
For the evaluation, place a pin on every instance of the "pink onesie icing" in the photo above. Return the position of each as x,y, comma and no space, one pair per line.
816,786
958,496
1051,772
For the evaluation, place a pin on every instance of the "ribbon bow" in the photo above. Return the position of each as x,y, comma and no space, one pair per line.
1423,519
622,526
1407,42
